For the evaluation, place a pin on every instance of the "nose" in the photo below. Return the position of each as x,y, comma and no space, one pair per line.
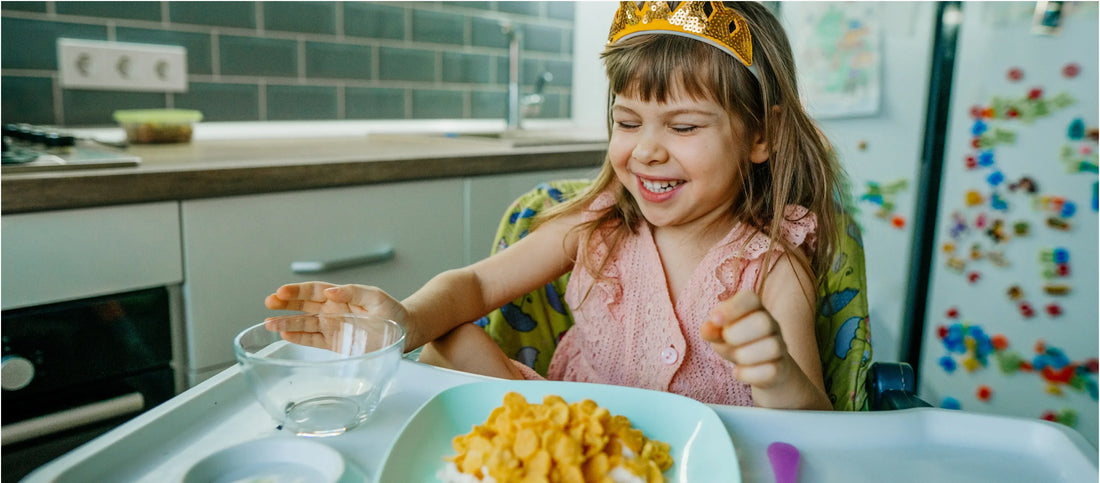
649,150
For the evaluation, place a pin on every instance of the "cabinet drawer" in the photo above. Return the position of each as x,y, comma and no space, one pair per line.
238,250
70,254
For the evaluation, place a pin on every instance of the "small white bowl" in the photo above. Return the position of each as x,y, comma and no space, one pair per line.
270,460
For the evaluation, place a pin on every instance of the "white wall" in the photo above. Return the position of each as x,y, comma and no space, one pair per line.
593,20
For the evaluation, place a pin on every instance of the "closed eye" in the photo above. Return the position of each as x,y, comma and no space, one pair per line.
626,124
684,129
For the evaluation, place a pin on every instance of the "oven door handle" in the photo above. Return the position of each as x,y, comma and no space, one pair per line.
71,418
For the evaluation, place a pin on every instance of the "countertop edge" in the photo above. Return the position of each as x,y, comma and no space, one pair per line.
115,186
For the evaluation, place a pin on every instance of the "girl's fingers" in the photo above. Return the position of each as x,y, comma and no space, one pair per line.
370,298
739,305
749,328
306,297
760,375
768,349
291,323
305,291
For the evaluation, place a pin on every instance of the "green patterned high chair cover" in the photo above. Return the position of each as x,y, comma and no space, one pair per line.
528,328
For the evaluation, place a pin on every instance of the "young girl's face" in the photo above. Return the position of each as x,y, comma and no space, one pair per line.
679,159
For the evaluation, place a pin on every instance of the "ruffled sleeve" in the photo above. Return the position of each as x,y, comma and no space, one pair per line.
798,228
741,265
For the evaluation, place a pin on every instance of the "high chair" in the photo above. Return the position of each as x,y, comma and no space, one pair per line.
528,328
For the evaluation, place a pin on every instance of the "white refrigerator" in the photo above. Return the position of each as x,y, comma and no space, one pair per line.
1011,317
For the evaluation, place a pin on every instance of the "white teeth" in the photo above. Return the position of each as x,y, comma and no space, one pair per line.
660,186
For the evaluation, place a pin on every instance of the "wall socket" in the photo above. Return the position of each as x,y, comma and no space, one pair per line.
121,66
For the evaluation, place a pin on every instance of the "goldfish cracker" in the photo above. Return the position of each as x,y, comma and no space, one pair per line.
556,442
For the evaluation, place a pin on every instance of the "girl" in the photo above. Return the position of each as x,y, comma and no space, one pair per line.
716,181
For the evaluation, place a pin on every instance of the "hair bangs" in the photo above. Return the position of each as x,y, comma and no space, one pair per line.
654,66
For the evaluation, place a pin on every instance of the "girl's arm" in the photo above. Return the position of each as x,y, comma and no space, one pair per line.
771,339
466,294
452,297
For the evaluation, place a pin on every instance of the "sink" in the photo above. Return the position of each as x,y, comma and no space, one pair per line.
530,138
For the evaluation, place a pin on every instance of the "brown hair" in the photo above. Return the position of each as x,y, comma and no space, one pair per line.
801,169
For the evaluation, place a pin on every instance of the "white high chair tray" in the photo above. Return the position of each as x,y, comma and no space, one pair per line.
918,445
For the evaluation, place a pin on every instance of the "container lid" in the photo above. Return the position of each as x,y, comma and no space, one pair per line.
158,115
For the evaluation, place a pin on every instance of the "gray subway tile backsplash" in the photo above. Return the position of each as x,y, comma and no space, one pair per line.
437,104
257,56
397,64
438,27
219,14
288,103
375,103
14,93
32,44
305,17
372,20
303,60
338,61
222,101
118,10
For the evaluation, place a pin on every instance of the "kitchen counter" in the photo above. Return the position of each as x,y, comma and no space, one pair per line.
228,167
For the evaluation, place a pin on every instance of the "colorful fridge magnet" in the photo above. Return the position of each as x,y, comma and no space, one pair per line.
1056,289
973,277
956,264
1015,292
970,161
998,258
884,196
1054,309
1021,228
997,231
1025,184
1058,223
1026,310
1015,74
1076,130
1070,70
984,393
997,202
1066,417
973,198
950,403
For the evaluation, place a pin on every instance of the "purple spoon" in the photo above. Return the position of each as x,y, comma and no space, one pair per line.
784,459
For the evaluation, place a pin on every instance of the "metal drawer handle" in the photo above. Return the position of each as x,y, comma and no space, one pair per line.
379,255
71,418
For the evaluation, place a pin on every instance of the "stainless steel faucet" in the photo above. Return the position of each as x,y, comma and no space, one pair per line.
515,39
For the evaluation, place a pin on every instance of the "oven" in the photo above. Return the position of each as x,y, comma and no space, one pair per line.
74,370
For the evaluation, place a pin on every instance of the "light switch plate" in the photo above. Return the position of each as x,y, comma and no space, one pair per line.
121,66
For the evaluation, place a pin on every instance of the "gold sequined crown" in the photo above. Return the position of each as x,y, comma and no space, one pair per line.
710,22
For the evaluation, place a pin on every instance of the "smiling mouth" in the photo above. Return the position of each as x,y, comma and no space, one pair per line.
660,186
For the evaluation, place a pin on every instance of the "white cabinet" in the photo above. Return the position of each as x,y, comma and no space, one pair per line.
63,255
238,250
488,196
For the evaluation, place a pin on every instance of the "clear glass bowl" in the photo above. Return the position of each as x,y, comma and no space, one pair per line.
329,372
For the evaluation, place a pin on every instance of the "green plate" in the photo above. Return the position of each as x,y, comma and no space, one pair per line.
700,446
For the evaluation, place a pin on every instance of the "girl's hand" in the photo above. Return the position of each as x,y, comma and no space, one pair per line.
743,332
322,298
